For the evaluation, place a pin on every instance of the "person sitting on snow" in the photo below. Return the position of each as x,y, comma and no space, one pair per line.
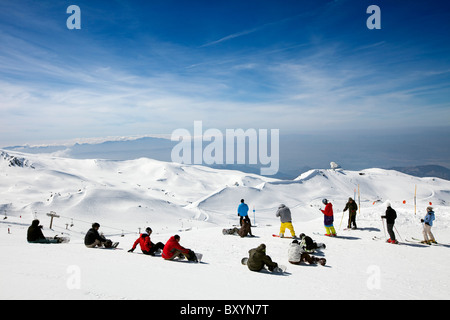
309,245
245,230
296,255
258,259
35,234
173,249
147,246
93,239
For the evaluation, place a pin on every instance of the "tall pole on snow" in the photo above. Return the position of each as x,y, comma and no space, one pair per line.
415,200
359,200
254,216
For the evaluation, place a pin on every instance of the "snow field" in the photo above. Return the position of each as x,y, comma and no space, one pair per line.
197,203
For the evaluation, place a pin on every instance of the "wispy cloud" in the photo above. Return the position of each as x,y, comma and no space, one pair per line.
79,85
252,30
233,36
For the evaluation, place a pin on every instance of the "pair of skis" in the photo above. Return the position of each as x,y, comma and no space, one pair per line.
415,240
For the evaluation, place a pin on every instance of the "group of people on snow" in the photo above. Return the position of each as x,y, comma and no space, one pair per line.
298,251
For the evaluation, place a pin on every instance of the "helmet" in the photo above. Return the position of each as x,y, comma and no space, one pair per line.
324,201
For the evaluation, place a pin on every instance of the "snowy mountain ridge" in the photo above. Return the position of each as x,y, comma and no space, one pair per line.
135,189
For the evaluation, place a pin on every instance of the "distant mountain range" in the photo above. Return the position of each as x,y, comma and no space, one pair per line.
293,160
425,171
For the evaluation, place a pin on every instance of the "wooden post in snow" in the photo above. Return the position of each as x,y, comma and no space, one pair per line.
359,200
52,214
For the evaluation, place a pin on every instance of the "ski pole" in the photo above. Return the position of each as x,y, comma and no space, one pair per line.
343,213
384,228
398,233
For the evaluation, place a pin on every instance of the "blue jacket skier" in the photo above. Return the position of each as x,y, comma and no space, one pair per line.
427,224
243,212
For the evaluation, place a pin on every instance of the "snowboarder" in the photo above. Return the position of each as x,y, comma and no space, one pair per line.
309,245
328,218
258,259
243,212
352,208
93,239
147,246
286,220
173,249
245,230
35,234
296,255
427,224
390,217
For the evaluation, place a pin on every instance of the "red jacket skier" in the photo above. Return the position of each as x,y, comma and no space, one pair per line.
147,246
173,249
328,218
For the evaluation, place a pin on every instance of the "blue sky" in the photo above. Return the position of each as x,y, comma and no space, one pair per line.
150,67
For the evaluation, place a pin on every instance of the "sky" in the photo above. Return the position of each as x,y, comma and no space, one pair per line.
151,67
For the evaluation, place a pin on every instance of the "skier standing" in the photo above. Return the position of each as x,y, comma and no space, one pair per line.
147,246
328,218
243,212
352,208
427,224
286,220
390,217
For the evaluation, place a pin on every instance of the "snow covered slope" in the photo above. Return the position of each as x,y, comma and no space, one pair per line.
197,202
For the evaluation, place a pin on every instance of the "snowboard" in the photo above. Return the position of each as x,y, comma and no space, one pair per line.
62,239
199,257
183,258
279,269
113,246
58,239
278,236
226,232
